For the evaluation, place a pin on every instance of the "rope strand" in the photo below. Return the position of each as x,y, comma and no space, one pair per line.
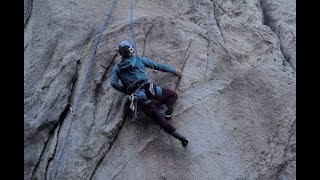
60,158
132,29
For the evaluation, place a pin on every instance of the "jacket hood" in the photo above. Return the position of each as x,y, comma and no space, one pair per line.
128,63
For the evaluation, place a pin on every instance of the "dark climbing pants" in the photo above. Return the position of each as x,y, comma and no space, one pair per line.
168,98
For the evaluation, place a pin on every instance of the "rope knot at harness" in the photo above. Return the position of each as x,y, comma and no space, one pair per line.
71,110
132,99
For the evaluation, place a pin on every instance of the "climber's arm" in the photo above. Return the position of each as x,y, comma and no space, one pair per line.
114,80
158,66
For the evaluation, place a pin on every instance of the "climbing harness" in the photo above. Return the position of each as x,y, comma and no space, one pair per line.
74,111
138,96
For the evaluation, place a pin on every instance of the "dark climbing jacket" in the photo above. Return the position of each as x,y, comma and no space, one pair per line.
132,71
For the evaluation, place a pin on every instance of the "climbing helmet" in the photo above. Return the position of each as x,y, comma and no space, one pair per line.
125,48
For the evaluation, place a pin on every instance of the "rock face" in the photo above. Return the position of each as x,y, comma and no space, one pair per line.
237,95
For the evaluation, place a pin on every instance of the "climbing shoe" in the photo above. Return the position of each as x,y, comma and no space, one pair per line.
167,112
184,141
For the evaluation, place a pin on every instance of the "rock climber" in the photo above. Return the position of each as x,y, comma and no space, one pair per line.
132,74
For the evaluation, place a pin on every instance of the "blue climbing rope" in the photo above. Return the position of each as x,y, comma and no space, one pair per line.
132,29
60,158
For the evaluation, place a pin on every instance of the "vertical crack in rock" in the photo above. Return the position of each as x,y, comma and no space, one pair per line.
60,120
57,142
286,160
42,153
287,58
50,137
94,118
259,34
267,20
64,114
26,46
145,39
115,137
207,61
185,58
207,51
218,22
267,158
47,83
50,53
97,90
28,9
73,81
108,114
224,11
110,110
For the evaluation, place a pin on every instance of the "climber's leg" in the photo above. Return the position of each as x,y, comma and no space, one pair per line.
167,99
151,110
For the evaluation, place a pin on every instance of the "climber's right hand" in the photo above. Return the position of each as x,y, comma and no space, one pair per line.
178,73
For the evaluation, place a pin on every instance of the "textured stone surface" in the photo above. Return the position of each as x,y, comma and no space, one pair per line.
237,95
